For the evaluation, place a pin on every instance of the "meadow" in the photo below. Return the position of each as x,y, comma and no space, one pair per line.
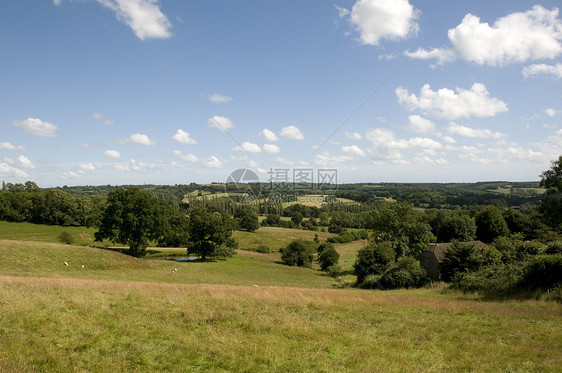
248,314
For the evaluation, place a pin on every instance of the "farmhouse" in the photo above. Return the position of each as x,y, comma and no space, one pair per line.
432,257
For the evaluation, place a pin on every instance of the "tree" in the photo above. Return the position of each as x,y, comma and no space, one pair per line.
490,224
178,232
404,273
299,253
247,218
133,217
551,206
210,234
462,257
456,226
402,226
373,259
296,218
328,257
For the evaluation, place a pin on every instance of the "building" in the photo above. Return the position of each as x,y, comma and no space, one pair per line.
433,256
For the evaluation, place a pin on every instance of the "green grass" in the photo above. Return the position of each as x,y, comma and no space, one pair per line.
45,233
67,325
275,237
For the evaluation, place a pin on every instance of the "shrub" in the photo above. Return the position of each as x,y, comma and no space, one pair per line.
554,247
328,257
323,246
501,279
66,237
543,272
299,253
263,249
405,273
462,257
373,259
334,270
371,282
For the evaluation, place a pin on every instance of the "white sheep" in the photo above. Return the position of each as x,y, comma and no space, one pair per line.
66,264
82,266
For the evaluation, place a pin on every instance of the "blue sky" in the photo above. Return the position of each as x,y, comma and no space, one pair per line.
164,92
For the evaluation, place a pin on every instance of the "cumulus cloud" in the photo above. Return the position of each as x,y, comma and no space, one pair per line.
248,147
21,161
518,37
291,132
446,104
211,162
271,149
269,135
144,17
183,137
10,172
328,160
385,146
37,127
420,125
219,99
353,150
376,20
112,154
284,162
551,112
139,138
458,129
353,136
100,118
9,146
186,157
222,123
543,69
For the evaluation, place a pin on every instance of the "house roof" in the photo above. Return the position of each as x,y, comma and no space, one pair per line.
439,249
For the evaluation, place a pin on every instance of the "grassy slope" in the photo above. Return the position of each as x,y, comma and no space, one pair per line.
83,325
275,237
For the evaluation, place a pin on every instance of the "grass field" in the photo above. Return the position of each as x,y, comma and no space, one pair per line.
275,237
248,314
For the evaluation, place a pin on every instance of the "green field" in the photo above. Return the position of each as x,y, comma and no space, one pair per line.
248,314
275,237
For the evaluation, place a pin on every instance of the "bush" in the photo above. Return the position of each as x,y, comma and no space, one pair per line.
323,246
494,280
373,259
371,282
299,253
405,273
462,257
263,249
334,270
66,237
328,257
543,272
554,247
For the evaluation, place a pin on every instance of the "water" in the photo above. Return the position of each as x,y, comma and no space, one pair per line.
184,258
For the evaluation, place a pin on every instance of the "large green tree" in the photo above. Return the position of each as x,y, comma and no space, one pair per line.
134,218
210,234
402,226
490,224
551,205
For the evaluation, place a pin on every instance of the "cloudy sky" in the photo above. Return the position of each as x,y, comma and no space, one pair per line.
165,92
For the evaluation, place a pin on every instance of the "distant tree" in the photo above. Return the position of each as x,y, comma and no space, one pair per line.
133,217
247,218
299,253
210,234
297,218
373,259
490,224
177,234
328,257
272,220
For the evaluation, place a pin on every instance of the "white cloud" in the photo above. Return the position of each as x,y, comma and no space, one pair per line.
139,138
70,175
551,112
386,147
543,69
183,137
464,131
248,147
219,99
327,160
382,19
244,160
446,104
442,55
271,149
101,118
517,37
284,162
186,157
37,127
10,172
353,136
211,162
9,146
269,135
144,17
291,132
86,167
112,154
21,161
222,123
353,150
420,125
